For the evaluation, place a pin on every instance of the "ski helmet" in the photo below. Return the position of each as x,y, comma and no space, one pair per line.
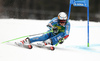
62,16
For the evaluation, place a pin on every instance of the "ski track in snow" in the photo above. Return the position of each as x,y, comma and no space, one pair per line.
73,49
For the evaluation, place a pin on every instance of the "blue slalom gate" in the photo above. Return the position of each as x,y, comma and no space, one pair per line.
81,3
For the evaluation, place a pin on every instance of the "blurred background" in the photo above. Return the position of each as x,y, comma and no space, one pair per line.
46,9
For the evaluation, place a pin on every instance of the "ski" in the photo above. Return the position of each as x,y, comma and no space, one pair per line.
39,45
45,46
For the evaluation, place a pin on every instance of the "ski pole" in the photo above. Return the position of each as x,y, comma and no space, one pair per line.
40,33
15,39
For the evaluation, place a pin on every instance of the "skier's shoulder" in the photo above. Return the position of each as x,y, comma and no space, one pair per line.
55,19
68,23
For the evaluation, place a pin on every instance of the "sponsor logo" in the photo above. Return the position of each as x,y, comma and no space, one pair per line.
59,37
35,38
67,32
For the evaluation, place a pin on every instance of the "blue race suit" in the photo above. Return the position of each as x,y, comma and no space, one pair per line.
63,32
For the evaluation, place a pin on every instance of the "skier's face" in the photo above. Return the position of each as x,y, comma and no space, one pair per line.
62,24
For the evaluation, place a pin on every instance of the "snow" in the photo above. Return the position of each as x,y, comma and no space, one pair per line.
73,49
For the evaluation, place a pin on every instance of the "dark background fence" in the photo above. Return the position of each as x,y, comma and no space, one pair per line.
46,9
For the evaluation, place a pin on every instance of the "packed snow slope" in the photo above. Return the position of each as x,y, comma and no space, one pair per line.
73,49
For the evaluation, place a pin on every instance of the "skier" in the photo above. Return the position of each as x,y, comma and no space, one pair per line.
60,31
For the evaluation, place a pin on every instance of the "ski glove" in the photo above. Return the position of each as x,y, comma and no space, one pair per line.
61,40
55,30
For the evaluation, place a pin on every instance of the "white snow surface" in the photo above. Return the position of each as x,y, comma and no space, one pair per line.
73,49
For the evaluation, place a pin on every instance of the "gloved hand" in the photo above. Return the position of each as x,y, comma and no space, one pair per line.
55,30
61,40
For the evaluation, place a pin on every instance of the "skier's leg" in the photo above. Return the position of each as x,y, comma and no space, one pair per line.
55,39
48,41
28,41
40,38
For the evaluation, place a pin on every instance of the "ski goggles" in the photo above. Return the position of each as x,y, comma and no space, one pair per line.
62,21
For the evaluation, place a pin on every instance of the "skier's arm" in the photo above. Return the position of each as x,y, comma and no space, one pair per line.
52,22
61,40
50,25
67,30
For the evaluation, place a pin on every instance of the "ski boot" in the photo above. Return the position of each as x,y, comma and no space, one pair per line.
24,43
42,44
49,42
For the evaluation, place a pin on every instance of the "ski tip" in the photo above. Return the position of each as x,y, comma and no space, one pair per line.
52,48
30,46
